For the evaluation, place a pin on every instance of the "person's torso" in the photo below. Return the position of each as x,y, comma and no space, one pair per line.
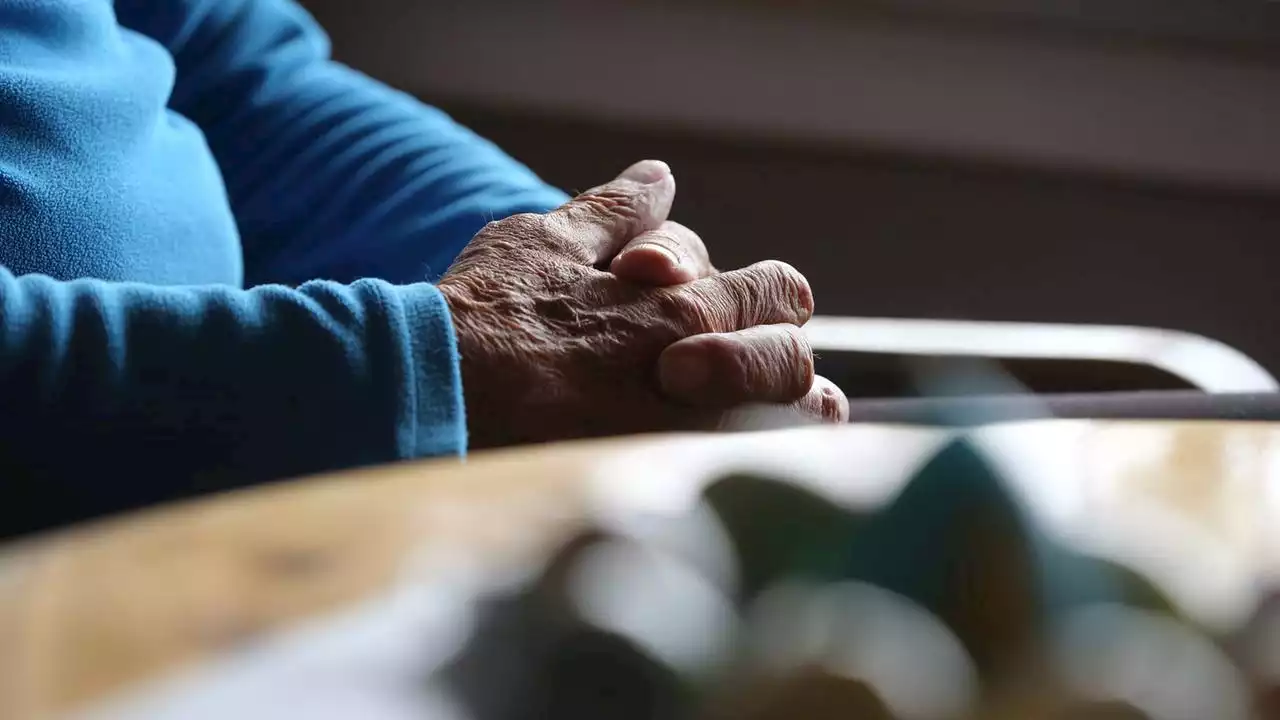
98,178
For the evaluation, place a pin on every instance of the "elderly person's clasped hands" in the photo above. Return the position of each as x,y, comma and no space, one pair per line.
602,317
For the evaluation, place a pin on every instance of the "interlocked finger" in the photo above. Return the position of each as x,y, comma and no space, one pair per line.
766,293
767,363
596,224
670,255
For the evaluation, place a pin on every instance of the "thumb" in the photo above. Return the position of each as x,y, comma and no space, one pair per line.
604,218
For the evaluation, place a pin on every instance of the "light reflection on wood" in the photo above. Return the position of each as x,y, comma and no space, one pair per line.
88,613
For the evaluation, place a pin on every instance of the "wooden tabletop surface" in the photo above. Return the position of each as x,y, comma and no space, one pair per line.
113,608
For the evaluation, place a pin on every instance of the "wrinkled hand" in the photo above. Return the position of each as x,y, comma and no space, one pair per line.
553,346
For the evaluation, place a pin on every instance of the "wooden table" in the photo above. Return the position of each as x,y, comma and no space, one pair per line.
115,608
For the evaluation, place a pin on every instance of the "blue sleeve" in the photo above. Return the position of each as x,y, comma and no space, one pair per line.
119,395
115,394
330,173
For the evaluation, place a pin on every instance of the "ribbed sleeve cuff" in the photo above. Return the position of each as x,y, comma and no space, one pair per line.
439,423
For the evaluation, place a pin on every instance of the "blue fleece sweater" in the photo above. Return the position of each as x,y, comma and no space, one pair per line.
215,246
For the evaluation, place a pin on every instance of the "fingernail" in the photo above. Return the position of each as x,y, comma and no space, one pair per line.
662,250
646,171
835,406
685,375
804,301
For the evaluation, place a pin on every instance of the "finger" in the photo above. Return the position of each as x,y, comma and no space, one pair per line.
766,293
767,364
600,221
824,402
670,255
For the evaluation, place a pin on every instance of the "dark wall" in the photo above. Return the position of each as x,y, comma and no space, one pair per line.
891,235
903,232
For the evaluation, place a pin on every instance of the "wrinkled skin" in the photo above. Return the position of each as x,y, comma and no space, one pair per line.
554,346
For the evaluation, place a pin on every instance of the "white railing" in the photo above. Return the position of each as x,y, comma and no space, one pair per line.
1209,365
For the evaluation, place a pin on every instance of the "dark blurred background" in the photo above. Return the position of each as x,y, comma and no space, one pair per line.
1110,161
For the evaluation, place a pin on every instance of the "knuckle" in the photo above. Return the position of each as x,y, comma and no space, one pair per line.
521,225
686,309
560,309
779,276
787,288
609,202
799,355
552,233
737,285
743,298
516,231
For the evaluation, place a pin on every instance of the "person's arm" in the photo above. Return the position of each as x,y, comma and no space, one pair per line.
120,395
330,173
117,394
